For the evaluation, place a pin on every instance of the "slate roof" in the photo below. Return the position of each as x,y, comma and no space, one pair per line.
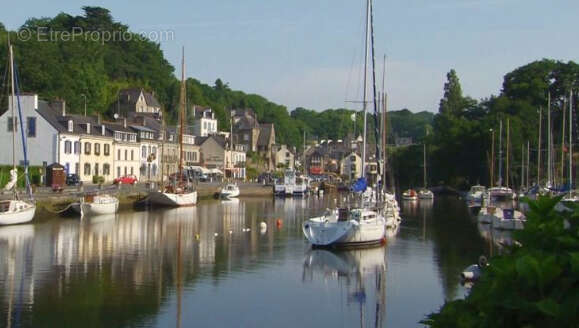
265,133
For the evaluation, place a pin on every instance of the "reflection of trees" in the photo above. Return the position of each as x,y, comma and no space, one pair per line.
457,242
118,271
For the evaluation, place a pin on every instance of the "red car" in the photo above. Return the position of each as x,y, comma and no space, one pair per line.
127,179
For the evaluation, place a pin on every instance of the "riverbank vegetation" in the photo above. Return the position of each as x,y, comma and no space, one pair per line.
534,284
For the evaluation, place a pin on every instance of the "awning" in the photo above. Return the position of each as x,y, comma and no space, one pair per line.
215,171
199,168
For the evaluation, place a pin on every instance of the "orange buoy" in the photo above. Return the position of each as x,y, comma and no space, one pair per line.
278,223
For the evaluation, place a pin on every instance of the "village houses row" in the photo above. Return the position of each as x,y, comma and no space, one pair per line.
137,143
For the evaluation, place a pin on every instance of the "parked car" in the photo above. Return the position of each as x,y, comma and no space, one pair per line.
72,180
127,179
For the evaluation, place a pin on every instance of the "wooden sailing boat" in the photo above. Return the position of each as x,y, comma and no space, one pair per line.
15,210
181,193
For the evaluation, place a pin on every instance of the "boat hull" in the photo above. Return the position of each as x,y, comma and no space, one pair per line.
173,200
343,233
227,194
23,215
93,209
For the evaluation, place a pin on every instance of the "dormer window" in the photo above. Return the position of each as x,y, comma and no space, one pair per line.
70,126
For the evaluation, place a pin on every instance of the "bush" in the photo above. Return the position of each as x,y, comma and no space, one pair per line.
535,284
97,179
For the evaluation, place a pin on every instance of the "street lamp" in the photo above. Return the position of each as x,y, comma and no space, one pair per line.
84,96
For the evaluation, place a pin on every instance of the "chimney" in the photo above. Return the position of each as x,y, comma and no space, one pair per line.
63,107
125,122
103,130
88,128
98,118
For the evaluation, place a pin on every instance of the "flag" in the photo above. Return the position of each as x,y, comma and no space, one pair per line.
353,117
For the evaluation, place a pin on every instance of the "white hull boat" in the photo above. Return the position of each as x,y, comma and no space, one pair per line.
229,191
514,221
476,194
173,199
97,205
16,212
409,195
425,194
486,214
345,227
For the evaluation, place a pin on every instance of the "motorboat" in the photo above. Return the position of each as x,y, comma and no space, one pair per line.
501,193
287,186
344,227
476,194
508,219
301,186
231,190
410,195
425,194
91,205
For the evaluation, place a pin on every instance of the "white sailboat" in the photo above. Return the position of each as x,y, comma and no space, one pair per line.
91,205
350,225
181,193
15,210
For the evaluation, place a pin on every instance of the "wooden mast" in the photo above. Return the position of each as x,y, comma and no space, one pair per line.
182,115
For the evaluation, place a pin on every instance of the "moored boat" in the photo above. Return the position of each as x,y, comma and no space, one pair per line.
92,205
410,195
231,190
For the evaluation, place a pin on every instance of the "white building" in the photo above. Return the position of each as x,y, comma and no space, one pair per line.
126,151
149,168
205,123
41,137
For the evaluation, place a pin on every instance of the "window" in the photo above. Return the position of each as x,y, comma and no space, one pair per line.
132,155
119,154
155,150
77,148
246,137
126,157
87,148
67,147
194,156
118,171
144,152
106,168
31,125
125,170
107,149
87,169
131,170
97,149
96,169
11,122
77,168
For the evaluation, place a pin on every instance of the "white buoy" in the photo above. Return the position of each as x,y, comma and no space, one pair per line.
263,225
216,234
230,232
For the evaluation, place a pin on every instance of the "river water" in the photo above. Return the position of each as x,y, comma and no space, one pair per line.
212,266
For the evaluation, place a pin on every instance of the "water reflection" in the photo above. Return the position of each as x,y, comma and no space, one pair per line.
211,265
363,273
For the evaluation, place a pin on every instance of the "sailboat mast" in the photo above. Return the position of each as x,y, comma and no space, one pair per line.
501,153
549,177
522,166
424,160
570,139
182,114
12,107
563,144
528,161
364,107
376,123
539,147
384,128
508,141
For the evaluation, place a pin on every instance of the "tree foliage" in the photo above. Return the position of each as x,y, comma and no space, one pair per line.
532,285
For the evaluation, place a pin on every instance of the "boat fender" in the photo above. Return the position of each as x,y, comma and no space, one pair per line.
263,225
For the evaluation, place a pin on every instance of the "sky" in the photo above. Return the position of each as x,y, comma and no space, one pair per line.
309,53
